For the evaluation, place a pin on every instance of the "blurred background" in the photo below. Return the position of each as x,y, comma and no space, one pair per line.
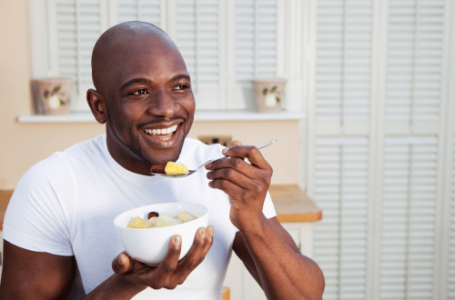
367,123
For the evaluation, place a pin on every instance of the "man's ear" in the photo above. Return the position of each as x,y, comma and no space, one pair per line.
97,105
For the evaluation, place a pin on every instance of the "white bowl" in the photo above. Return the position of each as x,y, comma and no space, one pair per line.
150,245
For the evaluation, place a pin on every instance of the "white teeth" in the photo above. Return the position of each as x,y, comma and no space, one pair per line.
161,131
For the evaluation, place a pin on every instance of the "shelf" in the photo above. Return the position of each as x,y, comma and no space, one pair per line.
87,117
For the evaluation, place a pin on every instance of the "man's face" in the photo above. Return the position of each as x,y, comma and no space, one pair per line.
149,102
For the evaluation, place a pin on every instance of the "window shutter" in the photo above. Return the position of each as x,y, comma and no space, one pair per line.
255,35
140,10
343,65
255,38
341,180
341,107
415,56
197,35
407,259
450,287
75,27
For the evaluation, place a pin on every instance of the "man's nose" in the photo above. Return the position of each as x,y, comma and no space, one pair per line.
163,104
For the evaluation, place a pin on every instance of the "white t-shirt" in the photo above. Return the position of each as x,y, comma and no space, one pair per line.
65,205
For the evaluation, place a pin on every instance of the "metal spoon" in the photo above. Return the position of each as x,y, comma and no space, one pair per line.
191,172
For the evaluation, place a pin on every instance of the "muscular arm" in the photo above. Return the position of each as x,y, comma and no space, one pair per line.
35,275
43,276
266,249
274,260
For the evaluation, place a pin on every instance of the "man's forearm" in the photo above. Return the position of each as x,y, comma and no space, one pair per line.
115,288
283,272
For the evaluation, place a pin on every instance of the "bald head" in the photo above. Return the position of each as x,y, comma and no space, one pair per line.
122,40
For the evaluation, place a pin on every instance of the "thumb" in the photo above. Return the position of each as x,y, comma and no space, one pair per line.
236,143
122,263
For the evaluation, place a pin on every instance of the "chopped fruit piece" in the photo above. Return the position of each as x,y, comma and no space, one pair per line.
185,217
173,168
163,221
152,221
153,214
169,215
138,222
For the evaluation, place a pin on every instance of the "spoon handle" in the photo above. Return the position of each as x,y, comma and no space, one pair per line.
262,146
268,143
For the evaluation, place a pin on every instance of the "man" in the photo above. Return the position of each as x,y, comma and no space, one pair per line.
59,221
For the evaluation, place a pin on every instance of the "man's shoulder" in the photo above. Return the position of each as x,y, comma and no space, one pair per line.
60,162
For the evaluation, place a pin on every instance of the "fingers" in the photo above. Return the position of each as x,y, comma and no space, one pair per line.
168,265
238,172
201,246
240,151
251,152
232,175
122,264
236,143
234,163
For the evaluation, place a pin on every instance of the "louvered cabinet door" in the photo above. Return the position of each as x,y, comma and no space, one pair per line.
415,65
450,281
408,225
74,29
341,178
139,10
256,34
343,66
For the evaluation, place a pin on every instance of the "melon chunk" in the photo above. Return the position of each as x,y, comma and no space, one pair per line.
152,221
185,217
163,221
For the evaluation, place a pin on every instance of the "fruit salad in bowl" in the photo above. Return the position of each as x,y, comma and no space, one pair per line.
145,232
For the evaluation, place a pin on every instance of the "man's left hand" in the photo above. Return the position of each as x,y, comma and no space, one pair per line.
246,184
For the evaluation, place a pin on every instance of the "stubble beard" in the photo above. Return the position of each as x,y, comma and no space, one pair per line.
136,152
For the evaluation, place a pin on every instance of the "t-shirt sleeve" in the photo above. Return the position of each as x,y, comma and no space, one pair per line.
35,219
269,209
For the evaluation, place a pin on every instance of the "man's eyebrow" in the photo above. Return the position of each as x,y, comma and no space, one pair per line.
135,80
146,81
180,76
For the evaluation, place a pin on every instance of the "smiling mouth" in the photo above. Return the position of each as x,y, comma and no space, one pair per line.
162,134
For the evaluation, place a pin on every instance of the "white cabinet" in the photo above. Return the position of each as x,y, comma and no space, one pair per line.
1,253
242,284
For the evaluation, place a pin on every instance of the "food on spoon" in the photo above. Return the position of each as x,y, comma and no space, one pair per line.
185,217
138,222
173,168
161,220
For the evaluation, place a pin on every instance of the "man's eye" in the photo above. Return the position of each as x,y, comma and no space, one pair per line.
139,92
180,87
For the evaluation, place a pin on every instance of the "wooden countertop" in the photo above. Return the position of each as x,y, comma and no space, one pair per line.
292,204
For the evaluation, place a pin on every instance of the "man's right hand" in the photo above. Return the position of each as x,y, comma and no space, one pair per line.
170,272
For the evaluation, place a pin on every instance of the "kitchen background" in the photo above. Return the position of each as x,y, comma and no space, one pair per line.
367,128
